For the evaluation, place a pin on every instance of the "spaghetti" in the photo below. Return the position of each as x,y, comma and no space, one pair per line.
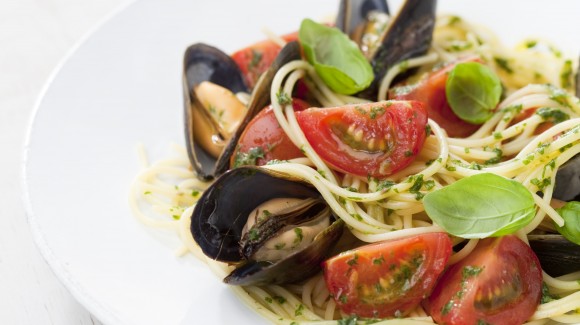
162,196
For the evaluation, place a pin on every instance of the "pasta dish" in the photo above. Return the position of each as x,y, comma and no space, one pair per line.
403,168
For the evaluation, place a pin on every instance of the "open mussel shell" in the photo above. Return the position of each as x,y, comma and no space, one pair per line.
202,62
206,63
219,217
259,99
294,268
557,255
354,13
408,35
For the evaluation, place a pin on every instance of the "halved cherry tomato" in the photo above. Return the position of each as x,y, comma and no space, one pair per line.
500,282
264,140
376,139
387,279
257,58
431,91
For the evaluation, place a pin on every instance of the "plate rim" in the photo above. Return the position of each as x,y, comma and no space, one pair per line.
80,294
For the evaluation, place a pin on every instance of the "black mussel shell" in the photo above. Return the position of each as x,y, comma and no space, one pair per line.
206,63
258,101
222,211
353,13
567,187
409,35
296,267
202,62
557,255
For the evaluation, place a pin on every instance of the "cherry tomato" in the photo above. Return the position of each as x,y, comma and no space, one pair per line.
264,140
431,90
375,139
500,282
387,279
257,58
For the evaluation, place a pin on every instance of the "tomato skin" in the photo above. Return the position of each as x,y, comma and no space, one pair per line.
505,264
265,132
387,279
431,91
374,139
257,58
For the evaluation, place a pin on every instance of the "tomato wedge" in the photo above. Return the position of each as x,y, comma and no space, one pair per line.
257,58
500,282
431,91
375,139
264,140
387,279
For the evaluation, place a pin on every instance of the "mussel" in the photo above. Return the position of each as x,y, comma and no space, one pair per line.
407,35
557,255
209,145
362,20
567,187
275,228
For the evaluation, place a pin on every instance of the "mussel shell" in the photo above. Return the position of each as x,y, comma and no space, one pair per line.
567,187
222,211
202,62
206,63
353,13
294,268
557,255
409,35
301,213
258,101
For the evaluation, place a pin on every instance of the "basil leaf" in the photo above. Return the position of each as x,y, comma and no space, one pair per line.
480,206
473,91
571,214
337,60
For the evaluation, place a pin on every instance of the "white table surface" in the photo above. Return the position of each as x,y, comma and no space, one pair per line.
35,35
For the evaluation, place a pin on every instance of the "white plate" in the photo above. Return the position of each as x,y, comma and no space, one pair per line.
121,87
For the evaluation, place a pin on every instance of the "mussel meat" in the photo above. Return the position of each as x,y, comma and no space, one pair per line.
210,144
275,228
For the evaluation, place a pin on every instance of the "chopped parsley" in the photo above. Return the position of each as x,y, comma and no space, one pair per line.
385,185
546,295
248,158
503,64
552,114
376,110
352,320
253,234
299,310
566,77
299,235
256,58
379,260
353,260
283,98
279,299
